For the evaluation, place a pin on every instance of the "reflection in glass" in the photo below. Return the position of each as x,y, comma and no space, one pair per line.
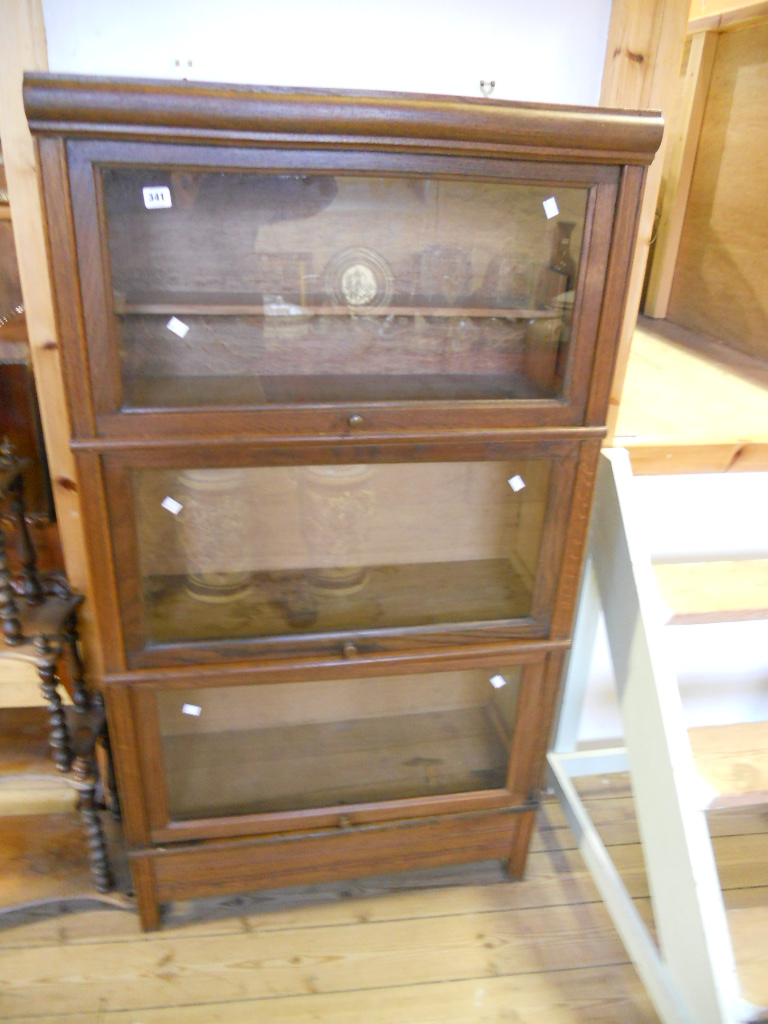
271,551
293,746
299,288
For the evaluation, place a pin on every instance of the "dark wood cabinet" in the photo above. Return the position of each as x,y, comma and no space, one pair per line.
338,367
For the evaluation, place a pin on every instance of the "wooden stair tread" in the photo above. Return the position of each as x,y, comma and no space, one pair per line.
749,934
733,761
717,591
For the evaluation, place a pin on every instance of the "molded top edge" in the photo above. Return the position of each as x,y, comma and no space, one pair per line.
87,106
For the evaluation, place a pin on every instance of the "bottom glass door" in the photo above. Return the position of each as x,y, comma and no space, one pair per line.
236,750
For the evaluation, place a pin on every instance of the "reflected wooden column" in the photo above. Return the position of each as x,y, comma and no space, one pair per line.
213,521
336,506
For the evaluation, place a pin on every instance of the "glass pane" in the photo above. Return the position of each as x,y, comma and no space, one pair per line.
263,289
227,553
291,746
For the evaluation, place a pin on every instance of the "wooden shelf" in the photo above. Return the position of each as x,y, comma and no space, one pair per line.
43,847
45,860
43,619
247,390
333,764
387,596
185,305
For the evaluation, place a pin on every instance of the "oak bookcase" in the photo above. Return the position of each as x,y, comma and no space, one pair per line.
338,367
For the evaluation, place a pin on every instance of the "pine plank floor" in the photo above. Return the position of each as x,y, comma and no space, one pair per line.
430,947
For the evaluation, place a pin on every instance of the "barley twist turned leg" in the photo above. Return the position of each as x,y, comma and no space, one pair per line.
71,636
58,735
8,612
33,592
98,856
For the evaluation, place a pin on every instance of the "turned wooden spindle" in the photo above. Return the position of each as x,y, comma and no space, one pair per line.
9,615
71,636
59,739
84,771
17,505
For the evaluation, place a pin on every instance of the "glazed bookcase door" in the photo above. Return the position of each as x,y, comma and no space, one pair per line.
300,287
351,747
229,553
273,289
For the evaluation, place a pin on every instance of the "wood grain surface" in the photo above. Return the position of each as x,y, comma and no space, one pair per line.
447,945
721,266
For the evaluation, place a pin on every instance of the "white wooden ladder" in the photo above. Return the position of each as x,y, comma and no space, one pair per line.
690,970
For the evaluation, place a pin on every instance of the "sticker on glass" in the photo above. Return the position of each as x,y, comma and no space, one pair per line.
171,505
550,207
516,483
157,197
178,327
191,709
498,681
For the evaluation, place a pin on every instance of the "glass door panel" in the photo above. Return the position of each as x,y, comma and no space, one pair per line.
268,551
264,289
294,746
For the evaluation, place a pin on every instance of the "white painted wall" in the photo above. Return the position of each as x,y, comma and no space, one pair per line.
550,51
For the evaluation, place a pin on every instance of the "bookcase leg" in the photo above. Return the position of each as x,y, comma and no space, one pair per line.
520,844
144,888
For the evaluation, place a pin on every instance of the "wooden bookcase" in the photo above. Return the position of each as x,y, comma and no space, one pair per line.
338,367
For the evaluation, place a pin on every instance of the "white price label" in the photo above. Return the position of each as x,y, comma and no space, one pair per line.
550,207
191,709
498,681
157,197
516,483
171,505
178,327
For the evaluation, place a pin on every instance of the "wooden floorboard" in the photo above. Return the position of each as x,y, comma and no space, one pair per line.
452,945
597,995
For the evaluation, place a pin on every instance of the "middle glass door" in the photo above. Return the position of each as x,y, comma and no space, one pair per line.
235,552
222,555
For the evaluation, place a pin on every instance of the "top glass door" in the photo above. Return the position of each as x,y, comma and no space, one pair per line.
264,289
